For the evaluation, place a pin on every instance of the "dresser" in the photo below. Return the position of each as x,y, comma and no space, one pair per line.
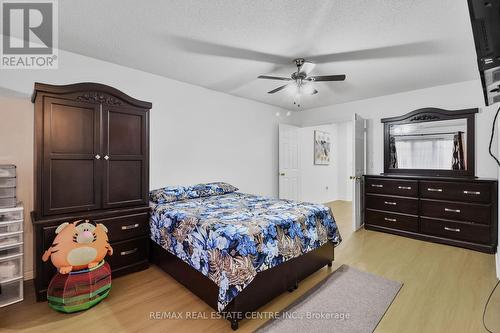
457,211
91,162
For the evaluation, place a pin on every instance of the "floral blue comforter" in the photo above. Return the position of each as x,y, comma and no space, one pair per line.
232,237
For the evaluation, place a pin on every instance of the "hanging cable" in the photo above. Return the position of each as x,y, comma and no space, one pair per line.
486,306
491,138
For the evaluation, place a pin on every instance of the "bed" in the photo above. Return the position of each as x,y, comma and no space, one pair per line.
237,251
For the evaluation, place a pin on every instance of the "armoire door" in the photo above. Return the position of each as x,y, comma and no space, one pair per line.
126,156
71,179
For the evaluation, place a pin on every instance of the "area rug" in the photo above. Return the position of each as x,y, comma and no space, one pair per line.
348,301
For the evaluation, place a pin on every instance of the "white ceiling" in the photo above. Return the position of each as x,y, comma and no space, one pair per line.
225,44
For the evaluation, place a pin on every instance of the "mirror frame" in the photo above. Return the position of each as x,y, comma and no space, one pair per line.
428,115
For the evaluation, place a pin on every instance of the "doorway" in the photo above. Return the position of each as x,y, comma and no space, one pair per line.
323,164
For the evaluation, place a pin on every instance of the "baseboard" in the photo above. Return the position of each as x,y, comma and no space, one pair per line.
28,275
497,257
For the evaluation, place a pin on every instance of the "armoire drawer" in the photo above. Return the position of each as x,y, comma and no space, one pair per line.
455,230
126,226
468,192
456,211
128,252
401,187
392,220
392,204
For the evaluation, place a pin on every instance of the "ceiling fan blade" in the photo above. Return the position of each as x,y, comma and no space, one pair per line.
400,50
306,67
202,47
319,78
274,77
277,89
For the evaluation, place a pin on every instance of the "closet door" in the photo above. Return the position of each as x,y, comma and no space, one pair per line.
126,156
71,176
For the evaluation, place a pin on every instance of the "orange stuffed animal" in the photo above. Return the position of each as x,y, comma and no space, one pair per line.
78,245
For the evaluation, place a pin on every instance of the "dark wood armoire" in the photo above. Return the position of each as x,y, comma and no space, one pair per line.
91,161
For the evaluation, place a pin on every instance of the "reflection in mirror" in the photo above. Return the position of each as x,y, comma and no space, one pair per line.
438,145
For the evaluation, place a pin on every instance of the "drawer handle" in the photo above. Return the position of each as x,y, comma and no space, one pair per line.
452,210
131,226
124,253
472,192
434,189
390,203
404,187
452,229
389,220
377,185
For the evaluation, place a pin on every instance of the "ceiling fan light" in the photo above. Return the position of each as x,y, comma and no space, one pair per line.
307,89
293,89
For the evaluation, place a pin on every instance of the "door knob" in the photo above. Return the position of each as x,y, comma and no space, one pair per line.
106,157
97,157
282,174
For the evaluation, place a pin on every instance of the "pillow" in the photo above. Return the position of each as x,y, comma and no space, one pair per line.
168,194
205,190
177,193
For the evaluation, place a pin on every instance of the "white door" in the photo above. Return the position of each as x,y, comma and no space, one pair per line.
289,172
358,143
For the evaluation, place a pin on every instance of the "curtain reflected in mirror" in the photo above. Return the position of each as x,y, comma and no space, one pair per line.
435,145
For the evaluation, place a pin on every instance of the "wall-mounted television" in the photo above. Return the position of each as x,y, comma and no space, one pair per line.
485,18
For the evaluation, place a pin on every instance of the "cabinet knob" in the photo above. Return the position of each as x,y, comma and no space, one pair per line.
97,157
106,157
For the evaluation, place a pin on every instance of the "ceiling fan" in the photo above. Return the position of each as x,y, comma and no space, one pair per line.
301,81
304,67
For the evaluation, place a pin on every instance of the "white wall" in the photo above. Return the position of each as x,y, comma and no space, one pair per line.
326,183
318,182
197,135
454,96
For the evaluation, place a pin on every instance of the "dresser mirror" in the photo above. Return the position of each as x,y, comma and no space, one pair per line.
430,142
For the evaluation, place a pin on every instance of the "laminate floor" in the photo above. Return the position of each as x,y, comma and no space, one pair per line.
444,290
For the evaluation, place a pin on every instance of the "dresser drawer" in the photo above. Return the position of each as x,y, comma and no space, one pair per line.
456,211
455,230
392,220
401,187
468,192
126,226
128,252
393,204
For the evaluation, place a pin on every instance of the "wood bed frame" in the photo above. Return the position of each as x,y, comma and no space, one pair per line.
266,285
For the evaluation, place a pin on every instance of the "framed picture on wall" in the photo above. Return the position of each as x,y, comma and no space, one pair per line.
322,148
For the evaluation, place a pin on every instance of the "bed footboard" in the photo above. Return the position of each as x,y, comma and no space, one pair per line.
266,285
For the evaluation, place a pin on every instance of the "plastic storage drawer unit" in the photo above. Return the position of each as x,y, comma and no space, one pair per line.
7,182
7,192
8,202
11,250
11,267
12,291
11,238
7,171
10,226
11,255
11,214
7,186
